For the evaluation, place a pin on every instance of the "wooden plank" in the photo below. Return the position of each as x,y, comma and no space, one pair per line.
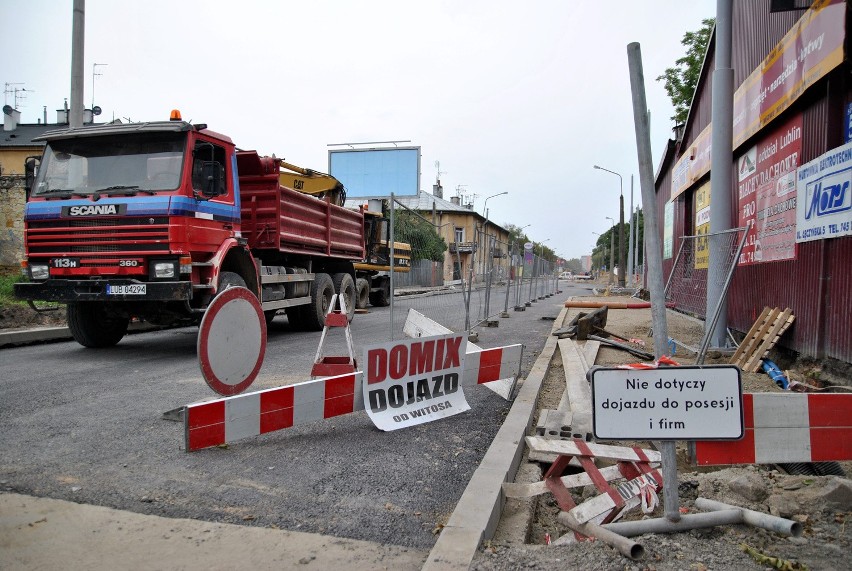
748,340
599,451
577,387
513,490
768,341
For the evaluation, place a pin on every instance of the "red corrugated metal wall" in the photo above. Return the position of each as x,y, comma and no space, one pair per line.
817,285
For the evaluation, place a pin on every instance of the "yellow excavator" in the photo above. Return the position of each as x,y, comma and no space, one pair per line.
372,274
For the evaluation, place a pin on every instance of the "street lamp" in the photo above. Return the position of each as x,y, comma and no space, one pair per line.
611,249
485,227
621,260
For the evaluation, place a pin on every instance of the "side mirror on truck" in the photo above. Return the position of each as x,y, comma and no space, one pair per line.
213,179
31,165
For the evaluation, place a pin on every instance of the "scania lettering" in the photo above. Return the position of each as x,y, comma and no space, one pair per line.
153,220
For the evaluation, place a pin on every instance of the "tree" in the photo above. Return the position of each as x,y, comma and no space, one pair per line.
681,80
425,242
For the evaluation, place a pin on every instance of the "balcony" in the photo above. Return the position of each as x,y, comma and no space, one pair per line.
462,247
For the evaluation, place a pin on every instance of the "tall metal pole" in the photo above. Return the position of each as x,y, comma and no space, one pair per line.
721,157
654,255
611,248
621,260
630,265
78,37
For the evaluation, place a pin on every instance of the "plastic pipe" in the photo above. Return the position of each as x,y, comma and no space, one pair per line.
757,519
624,545
685,523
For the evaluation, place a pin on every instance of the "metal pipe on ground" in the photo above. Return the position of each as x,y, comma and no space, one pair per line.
685,523
757,519
624,545
611,304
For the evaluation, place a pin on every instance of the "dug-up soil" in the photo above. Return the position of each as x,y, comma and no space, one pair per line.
822,504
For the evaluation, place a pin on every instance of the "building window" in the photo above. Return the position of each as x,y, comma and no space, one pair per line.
459,235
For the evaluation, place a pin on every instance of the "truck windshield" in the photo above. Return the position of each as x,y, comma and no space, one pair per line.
83,166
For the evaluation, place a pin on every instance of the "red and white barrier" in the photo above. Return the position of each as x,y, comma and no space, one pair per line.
786,428
225,420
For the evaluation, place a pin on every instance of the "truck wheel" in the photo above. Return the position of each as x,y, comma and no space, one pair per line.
93,327
362,286
229,279
344,286
322,289
381,297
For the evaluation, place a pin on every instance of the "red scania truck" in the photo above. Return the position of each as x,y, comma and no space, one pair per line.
152,220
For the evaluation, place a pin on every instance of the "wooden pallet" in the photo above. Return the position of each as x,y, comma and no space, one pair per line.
762,337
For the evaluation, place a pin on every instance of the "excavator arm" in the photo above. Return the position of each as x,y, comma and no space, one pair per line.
312,182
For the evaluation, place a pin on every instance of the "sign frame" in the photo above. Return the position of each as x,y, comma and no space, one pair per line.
636,424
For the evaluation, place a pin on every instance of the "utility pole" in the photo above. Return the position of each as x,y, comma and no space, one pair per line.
78,36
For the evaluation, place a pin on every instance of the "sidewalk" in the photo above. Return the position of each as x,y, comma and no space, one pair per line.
41,533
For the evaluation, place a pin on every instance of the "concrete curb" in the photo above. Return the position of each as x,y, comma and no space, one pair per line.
478,512
46,334
35,335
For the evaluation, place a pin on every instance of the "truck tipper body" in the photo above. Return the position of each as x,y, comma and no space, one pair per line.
152,220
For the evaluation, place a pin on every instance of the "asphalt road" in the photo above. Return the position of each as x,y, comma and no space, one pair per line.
86,426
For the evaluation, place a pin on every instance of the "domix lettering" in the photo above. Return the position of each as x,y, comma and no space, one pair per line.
414,391
422,357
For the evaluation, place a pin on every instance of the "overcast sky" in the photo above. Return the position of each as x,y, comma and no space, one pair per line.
523,97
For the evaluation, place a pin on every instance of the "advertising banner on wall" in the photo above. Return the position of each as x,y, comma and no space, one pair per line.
766,188
806,53
824,202
702,226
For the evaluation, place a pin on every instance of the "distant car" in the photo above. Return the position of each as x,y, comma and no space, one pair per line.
566,276
586,276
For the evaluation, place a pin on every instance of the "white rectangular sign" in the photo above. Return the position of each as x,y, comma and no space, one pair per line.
824,201
412,381
669,403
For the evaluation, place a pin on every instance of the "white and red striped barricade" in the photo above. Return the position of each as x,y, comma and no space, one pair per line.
786,428
635,465
221,421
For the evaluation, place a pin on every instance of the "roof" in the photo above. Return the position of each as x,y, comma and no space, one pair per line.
23,135
423,202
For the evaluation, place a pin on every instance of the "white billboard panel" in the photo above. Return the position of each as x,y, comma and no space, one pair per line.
376,173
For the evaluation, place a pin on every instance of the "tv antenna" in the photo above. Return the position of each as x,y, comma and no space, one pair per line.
94,75
439,171
19,93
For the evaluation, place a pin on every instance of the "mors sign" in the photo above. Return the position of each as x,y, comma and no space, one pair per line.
824,204
409,382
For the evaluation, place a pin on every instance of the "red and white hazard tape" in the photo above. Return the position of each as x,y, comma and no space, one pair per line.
220,421
786,428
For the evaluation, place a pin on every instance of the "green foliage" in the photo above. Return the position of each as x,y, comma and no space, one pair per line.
681,80
425,242
601,251
7,295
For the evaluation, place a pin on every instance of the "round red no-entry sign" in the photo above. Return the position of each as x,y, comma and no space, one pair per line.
232,341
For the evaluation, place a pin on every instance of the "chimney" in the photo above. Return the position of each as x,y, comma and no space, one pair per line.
11,117
438,190
456,200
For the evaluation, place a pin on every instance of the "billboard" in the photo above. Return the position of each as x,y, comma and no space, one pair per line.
376,173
